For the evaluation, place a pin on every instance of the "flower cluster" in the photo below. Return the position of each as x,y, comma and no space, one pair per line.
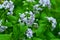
42,3
53,20
45,3
7,5
29,33
28,20
37,8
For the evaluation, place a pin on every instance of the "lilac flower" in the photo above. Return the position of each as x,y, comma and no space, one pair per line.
5,4
10,13
29,33
8,5
3,28
1,6
28,20
45,3
22,15
53,20
37,8
25,20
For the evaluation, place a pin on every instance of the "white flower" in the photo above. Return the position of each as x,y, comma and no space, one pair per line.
7,5
9,13
29,33
36,8
58,33
11,2
22,15
5,2
25,20
53,26
45,3
11,7
1,6
28,20
31,13
53,20
49,18
19,20
3,28
31,20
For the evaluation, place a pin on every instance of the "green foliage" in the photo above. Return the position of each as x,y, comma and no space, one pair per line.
18,30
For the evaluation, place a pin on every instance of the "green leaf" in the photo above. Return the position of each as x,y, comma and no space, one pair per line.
37,38
5,37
